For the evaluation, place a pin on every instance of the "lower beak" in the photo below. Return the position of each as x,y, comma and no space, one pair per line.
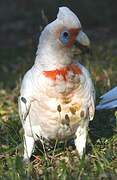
83,42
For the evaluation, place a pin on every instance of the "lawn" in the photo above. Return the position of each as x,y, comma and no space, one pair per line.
63,162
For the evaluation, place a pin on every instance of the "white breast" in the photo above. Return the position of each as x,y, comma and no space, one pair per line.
60,106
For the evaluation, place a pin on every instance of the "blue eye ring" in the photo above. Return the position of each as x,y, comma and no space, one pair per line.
64,37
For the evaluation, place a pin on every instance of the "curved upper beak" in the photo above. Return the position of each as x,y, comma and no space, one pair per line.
83,42
83,39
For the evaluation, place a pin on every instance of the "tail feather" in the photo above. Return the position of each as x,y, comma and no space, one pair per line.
108,100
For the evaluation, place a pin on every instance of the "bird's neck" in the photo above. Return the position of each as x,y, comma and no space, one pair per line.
48,59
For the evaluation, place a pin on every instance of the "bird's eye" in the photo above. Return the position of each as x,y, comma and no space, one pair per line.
64,37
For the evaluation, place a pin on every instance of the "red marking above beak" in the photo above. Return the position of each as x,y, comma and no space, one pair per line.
73,35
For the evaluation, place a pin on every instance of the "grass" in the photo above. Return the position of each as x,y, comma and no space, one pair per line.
63,162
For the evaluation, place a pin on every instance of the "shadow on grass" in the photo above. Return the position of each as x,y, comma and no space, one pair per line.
103,125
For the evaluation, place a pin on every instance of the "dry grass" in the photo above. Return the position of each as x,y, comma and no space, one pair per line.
63,162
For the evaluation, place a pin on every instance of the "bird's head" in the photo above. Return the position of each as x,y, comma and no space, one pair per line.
60,36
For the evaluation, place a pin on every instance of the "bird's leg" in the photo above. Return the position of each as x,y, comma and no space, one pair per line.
81,135
28,147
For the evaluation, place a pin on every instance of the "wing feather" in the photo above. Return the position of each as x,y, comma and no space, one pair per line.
24,108
91,92
26,96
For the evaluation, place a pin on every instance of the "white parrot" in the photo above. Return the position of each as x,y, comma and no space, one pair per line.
57,95
108,100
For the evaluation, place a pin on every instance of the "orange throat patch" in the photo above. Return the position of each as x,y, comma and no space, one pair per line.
63,72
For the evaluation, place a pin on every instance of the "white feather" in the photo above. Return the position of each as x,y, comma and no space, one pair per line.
68,18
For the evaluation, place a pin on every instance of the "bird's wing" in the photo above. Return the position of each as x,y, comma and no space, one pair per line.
90,90
26,96
24,108
91,99
92,106
108,100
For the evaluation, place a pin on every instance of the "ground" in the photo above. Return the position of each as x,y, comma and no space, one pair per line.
63,162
